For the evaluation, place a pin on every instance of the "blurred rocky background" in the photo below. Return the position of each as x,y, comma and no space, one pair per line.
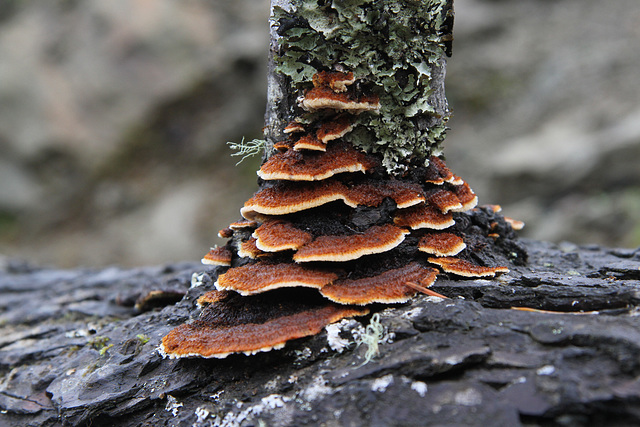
114,117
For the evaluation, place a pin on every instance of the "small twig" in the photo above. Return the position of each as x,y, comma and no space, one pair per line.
537,310
425,290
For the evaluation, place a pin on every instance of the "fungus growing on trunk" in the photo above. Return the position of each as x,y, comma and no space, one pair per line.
293,165
261,277
335,129
356,206
347,247
308,142
218,256
231,324
323,98
249,249
278,235
335,80
441,244
424,216
389,287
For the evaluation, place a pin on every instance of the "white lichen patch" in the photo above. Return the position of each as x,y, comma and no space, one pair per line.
419,387
303,354
380,385
216,396
173,405
335,341
454,360
468,397
78,333
201,414
272,384
197,279
249,414
317,389
434,300
413,313
274,401
546,370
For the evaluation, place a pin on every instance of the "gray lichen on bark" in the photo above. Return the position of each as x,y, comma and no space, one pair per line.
396,49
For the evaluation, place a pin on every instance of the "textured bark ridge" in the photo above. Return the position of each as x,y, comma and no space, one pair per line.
355,201
75,350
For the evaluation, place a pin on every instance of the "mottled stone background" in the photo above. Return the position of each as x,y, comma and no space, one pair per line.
114,117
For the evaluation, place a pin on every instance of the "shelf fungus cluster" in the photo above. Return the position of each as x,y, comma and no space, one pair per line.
331,234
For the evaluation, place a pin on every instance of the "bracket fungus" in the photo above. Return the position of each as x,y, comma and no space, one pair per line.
218,256
441,244
257,278
357,207
231,324
347,247
325,98
389,287
249,249
293,165
424,216
278,235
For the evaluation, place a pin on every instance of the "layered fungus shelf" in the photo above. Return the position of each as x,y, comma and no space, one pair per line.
332,234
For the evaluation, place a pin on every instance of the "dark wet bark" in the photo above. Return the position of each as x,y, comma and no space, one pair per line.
74,350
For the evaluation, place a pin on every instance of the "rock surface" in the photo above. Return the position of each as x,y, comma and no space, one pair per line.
74,349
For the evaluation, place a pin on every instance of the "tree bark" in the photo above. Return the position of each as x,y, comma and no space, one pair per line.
279,104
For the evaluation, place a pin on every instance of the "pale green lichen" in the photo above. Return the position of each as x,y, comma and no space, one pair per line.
247,149
104,349
143,338
100,343
372,336
392,46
